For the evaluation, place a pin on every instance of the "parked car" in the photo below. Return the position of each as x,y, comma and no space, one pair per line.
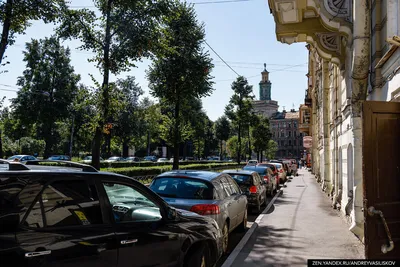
83,217
114,159
21,158
252,162
281,171
273,169
267,174
150,158
253,185
88,159
132,159
215,195
163,160
59,157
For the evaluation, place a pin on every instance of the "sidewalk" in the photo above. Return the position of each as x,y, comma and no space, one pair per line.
300,225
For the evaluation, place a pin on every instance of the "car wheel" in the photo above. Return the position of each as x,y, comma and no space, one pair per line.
199,258
243,225
225,238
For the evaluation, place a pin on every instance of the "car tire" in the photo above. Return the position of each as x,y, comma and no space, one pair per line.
225,238
199,258
243,225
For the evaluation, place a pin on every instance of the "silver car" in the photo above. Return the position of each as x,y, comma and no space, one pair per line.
211,194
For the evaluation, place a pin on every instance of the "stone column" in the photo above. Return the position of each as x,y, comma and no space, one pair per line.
327,183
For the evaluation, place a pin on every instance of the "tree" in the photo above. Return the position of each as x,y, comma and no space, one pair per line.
48,86
271,149
16,16
122,33
232,146
261,136
239,108
181,71
222,131
127,115
150,118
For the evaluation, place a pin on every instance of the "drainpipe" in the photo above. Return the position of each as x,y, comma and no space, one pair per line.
359,84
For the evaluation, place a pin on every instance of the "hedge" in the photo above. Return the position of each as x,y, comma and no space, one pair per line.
151,164
143,171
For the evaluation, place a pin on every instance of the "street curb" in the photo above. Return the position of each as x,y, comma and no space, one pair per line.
232,257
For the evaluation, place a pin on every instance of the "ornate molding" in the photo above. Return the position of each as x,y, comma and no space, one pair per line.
330,41
338,8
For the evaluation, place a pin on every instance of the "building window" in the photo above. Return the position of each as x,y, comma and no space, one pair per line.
294,142
284,125
290,134
282,134
290,142
295,124
289,124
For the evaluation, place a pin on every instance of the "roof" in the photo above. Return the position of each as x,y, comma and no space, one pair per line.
292,115
203,175
242,172
256,167
285,115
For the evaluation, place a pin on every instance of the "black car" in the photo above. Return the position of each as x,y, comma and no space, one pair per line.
253,185
77,216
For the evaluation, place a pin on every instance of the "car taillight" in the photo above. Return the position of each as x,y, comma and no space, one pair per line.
205,209
281,170
266,178
253,189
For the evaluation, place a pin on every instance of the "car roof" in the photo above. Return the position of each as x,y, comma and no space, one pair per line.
256,167
245,172
203,175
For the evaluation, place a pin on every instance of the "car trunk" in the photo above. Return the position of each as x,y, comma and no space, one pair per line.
187,204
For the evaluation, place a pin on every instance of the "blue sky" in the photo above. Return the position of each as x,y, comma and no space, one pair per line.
242,33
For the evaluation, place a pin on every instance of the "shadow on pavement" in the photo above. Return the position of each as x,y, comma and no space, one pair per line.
269,246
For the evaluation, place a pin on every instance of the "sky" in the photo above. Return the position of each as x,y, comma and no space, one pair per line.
242,33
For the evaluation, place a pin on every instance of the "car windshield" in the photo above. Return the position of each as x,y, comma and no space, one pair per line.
15,157
184,188
242,179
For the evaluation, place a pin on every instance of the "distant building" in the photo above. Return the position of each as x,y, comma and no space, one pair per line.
285,131
265,106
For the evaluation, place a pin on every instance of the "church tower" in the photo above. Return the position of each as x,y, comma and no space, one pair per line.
265,85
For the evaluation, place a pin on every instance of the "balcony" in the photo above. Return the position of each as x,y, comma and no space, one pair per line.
305,119
325,24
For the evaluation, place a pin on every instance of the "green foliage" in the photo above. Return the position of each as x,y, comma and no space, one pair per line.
261,135
239,108
16,16
232,146
48,86
222,131
272,148
141,171
30,146
180,73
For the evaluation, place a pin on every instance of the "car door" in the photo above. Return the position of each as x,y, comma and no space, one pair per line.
260,183
144,236
239,201
64,225
230,202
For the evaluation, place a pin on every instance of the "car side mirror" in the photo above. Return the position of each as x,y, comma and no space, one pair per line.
172,213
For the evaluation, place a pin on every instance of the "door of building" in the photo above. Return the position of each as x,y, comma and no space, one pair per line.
381,179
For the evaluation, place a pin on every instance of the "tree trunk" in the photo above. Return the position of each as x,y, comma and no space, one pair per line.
105,89
148,143
175,165
109,145
198,148
250,152
6,29
239,144
184,150
258,156
1,146
125,149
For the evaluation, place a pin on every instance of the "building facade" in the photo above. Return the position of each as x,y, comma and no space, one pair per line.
265,106
285,132
353,72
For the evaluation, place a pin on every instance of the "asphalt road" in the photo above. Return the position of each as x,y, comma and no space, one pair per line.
237,235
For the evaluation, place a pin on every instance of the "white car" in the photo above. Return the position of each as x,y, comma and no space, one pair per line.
21,158
114,159
88,160
163,160
252,162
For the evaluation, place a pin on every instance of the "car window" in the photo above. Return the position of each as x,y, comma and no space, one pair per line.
220,189
184,188
234,186
129,205
242,179
227,188
65,203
